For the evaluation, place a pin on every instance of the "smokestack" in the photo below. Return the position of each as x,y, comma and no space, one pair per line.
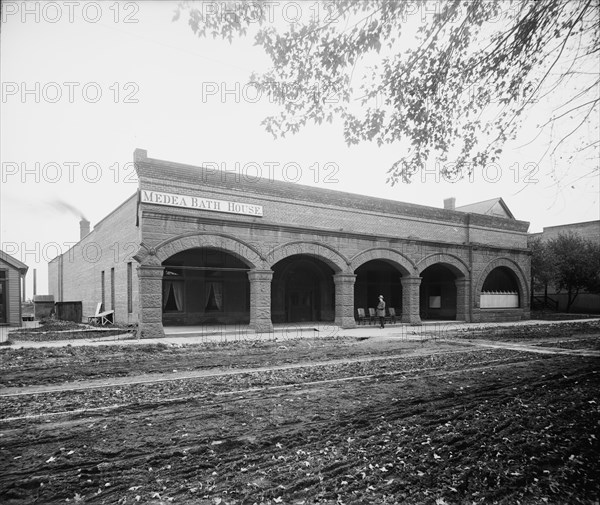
450,203
84,228
140,154
34,282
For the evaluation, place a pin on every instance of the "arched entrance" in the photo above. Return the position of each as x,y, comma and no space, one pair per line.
500,289
374,278
438,293
302,290
204,286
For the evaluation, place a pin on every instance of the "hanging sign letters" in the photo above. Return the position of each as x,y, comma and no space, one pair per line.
193,202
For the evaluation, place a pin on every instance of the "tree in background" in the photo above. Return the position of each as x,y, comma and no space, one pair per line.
453,90
542,265
576,264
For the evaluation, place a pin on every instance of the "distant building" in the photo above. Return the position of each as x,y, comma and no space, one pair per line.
12,273
585,302
586,229
198,246
494,207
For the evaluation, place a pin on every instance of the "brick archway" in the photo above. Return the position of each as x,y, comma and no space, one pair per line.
150,273
327,254
401,262
514,267
457,291
222,242
342,282
454,263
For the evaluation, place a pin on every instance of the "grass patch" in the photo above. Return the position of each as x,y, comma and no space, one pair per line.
53,330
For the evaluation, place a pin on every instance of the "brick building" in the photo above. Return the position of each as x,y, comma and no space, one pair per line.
199,246
586,229
12,274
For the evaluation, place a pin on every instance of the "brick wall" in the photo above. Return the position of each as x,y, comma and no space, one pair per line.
111,244
287,215
336,226
162,226
288,204
53,278
588,229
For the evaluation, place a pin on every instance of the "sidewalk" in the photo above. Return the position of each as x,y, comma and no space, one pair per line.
220,334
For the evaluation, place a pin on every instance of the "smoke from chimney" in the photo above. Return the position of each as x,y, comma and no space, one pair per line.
63,206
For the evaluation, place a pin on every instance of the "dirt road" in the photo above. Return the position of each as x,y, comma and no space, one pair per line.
371,422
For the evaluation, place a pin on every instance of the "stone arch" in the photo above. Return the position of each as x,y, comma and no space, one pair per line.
454,263
514,267
327,254
220,241
401,262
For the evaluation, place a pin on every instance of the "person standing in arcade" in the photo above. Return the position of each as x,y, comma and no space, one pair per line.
381,311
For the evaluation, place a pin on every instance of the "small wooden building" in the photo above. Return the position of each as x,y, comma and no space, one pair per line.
12,273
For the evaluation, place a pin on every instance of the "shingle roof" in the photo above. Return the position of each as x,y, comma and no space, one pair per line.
150,168
14,262
486,208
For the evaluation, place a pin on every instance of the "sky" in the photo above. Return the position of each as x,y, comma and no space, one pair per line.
86,83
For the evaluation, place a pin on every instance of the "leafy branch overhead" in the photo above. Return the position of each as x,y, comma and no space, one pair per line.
449,79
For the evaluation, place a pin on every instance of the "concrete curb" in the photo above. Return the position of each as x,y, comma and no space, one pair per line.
438,329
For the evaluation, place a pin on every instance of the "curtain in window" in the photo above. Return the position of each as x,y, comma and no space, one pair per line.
214,296
177,289
166,290
218,290
178,294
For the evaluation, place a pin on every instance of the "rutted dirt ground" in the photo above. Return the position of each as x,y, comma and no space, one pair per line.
429,422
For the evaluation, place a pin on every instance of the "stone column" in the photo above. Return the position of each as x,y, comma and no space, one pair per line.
344,300
462,299
411,300
150,315
260,300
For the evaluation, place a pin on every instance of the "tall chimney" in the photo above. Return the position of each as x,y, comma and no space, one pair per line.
34,282
450,203
84,228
